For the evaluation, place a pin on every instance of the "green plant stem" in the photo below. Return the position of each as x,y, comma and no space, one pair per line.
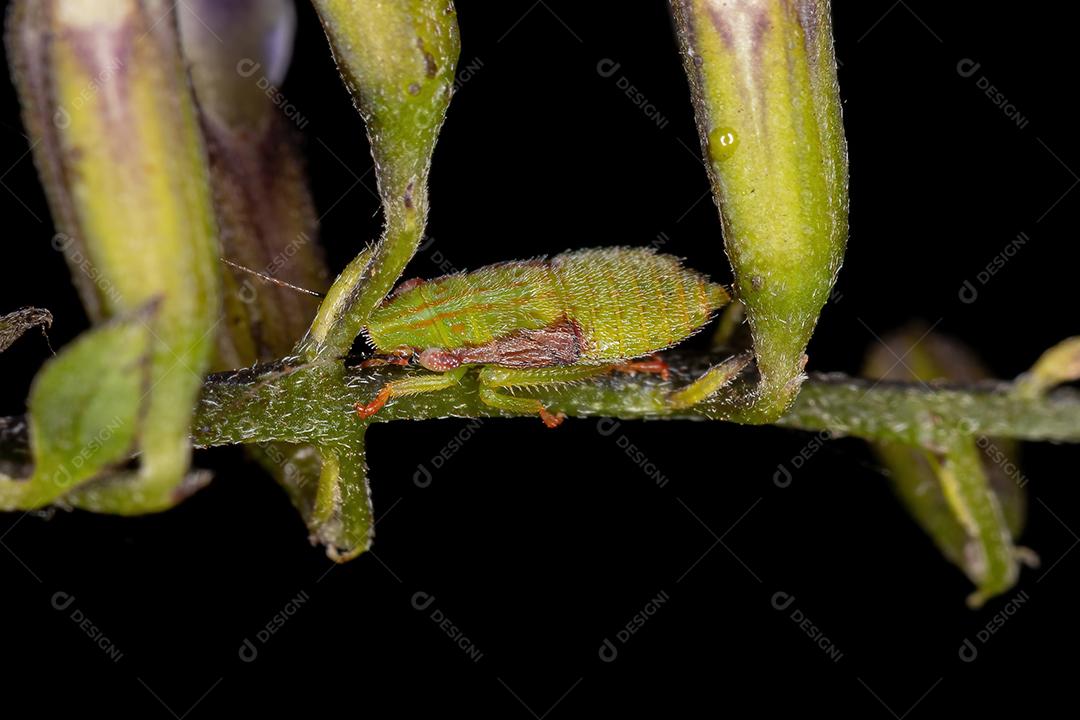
398,60
314,403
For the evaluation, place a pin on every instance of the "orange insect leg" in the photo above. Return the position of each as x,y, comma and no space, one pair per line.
551,420
653,364
366,410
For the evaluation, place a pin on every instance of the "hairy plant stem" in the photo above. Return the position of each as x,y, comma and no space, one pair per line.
299,402
313,402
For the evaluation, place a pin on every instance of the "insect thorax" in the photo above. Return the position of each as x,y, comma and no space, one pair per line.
468,310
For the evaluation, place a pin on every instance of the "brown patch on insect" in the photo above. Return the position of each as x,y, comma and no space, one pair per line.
556,344
408,199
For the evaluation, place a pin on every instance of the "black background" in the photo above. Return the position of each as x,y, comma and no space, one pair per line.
538,545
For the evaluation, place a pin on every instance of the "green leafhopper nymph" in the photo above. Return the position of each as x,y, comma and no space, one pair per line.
545,321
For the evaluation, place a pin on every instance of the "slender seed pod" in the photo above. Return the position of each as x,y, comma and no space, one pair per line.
968,495
763,79
238,54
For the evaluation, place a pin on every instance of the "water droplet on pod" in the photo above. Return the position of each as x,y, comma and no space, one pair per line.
722,143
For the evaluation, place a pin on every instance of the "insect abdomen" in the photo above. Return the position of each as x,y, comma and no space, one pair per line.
630,302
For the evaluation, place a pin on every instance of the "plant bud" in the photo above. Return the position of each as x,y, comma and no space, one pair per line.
117,142
763,80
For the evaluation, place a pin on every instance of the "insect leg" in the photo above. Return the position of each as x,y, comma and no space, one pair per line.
492,377
713,380
428,382
396,357
651,364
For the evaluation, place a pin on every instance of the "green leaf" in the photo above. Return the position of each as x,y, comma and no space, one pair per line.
85,407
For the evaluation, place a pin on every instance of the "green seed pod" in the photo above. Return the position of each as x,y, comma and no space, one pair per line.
238,53
968,496
116,138
763,80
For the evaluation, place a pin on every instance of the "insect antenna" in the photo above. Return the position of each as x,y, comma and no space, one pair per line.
273,280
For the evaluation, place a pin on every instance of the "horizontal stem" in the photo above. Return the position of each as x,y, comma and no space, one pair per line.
314,403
